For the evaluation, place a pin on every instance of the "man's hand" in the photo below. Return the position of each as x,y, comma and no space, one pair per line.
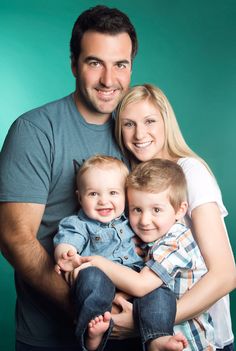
122,315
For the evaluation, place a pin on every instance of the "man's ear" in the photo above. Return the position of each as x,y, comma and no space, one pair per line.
74,67
181,211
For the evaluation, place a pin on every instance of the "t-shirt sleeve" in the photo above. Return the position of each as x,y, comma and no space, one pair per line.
202,186
25,164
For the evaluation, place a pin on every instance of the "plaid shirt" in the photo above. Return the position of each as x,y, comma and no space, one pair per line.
177,260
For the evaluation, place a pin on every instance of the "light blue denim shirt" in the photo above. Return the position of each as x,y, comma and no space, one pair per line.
113,240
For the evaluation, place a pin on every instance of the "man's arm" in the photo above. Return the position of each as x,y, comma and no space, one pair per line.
19,223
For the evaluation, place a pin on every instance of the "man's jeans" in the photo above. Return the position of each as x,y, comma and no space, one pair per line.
94,293
124,345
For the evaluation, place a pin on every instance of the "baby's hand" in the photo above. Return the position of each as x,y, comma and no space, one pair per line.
68,261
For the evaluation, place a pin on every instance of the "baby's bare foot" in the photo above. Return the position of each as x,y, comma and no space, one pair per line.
96,329
176,342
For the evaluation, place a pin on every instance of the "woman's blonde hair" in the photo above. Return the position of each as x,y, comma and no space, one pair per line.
158,175
175,144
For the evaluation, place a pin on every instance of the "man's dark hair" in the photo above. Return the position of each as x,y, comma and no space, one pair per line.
101,19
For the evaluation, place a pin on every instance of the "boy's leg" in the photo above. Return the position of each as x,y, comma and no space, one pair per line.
154,314
93,294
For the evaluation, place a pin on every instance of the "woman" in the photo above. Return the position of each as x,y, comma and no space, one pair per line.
146,128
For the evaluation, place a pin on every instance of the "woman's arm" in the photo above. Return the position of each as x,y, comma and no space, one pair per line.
125,278
212,239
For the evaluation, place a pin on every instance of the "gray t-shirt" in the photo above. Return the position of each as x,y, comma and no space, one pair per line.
36,166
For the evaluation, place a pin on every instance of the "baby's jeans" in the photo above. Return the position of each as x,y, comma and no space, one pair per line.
154,314
94,293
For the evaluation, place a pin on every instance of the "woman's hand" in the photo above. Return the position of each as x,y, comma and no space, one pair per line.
122,315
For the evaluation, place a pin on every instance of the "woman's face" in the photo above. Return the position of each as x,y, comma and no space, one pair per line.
143,130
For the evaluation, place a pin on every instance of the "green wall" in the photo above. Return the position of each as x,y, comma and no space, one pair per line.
187,47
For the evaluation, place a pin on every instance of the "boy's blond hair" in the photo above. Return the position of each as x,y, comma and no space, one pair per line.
158,175
101,161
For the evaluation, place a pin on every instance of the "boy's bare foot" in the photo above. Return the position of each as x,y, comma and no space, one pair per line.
176,342
96,329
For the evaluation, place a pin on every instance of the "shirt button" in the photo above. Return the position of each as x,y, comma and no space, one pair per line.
121,231
126,257
97,238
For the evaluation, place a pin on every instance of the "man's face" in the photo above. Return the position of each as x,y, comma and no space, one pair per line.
102,73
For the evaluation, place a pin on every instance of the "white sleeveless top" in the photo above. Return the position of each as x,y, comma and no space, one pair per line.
203,188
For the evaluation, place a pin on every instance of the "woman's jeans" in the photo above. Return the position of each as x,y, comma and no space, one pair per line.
94,292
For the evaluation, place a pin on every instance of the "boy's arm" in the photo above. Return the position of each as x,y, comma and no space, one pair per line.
125,278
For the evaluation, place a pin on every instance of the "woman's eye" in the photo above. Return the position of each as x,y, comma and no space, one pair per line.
128,124
150,121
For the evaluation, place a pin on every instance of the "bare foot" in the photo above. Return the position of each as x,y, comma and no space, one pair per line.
176,342
96,329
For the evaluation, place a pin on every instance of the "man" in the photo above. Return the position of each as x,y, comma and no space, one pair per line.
37,175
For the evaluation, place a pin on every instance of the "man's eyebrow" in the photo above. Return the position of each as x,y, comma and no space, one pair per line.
92,58
123,61
95,58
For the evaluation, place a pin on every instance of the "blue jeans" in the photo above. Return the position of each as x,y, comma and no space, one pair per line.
154,314
229,347
124,345
93,296
94,293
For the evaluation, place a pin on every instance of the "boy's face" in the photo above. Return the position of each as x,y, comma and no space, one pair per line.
102,193
150,214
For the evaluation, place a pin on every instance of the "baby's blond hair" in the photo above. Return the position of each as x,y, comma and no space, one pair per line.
101,161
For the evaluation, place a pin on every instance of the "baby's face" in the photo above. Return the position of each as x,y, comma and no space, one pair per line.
102,193
151,215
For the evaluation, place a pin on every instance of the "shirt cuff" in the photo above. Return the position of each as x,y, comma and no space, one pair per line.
160,271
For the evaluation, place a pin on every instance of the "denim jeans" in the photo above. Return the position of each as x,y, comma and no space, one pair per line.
154,314
94,293
112,345
229,347
124,345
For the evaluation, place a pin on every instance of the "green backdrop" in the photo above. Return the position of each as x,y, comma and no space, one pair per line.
187,48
